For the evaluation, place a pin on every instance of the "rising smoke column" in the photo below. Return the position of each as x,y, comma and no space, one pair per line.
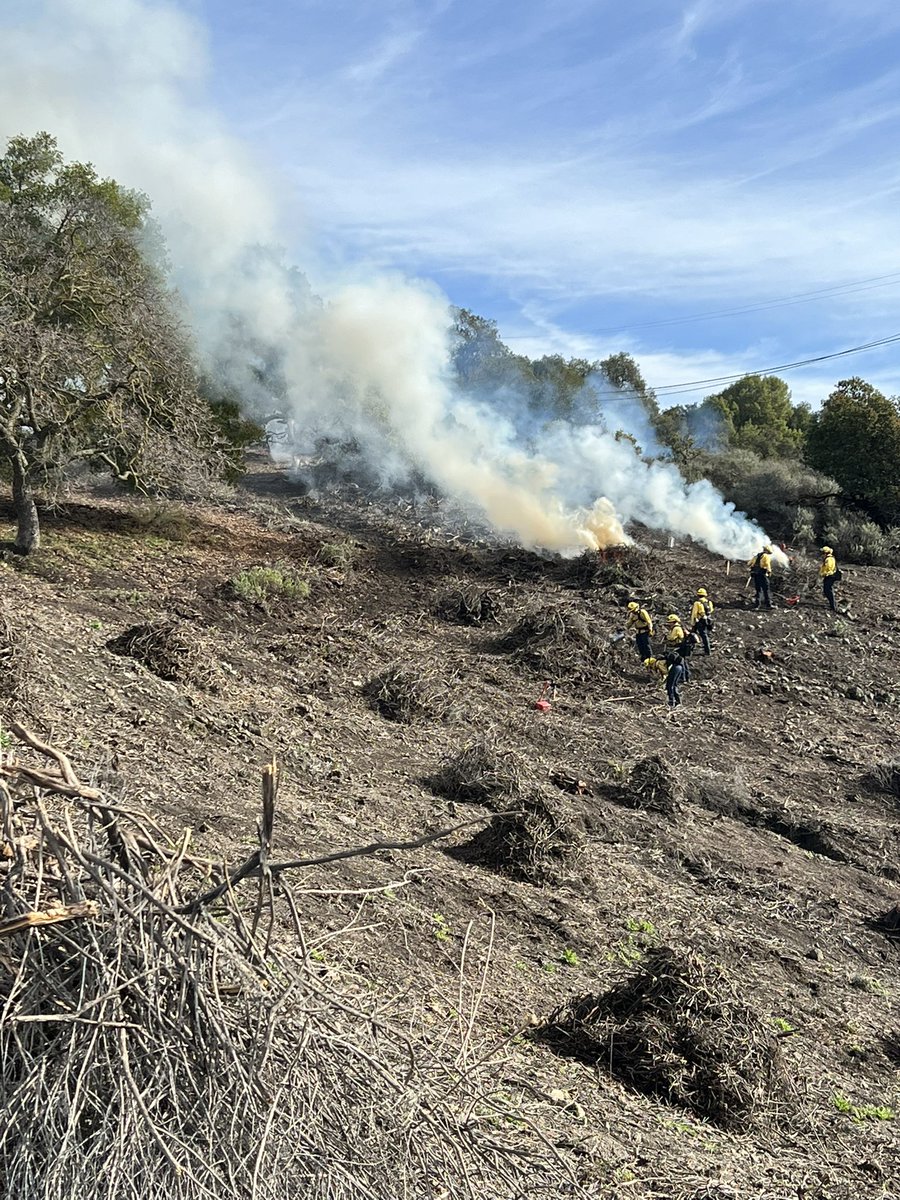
122,83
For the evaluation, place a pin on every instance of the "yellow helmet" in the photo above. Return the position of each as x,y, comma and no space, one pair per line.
633,606
672,619
827,550
701,591
767,549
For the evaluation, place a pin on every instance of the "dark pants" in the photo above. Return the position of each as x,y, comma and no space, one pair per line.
761,583
644,649
828,589
673,691
702,631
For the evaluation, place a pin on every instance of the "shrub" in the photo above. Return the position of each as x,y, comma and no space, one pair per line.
340,554
261,584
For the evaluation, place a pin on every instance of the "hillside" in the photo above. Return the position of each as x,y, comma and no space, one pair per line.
769,851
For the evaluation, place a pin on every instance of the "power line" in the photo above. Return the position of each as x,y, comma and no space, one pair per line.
840,289
672,389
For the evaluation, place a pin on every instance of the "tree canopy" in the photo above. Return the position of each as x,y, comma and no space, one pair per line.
94,363
855,439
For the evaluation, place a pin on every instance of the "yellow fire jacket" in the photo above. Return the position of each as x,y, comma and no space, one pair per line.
701,609
828,567
639,622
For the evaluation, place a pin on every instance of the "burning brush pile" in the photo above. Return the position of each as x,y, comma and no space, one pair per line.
677,1028
164,1038
557,642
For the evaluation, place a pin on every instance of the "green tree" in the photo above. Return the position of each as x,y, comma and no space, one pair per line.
855,439
94,364
759,411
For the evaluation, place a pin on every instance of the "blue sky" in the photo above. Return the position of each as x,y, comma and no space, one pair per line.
594,176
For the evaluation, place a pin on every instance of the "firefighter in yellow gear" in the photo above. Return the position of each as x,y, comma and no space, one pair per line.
674,632
702,618
829,574
640,624
680,643
760,567
656,666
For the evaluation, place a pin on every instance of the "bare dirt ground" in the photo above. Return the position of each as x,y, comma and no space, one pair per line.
777,861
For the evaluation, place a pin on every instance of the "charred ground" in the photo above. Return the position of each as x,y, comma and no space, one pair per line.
760,849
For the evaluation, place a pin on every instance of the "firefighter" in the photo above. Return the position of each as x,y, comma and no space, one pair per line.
675,677
656,666
701,618
674,632
830,575
760,572
639,623
678,642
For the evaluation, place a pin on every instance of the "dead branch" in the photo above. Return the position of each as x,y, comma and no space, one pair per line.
254,867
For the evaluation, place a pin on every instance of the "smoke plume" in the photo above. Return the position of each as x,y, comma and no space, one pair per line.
121,83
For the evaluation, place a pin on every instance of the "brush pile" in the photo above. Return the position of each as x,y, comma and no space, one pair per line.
557,642
651,785
676,1028
620,568
885,777
889,923
469,605
405,696
170,649
480,773
158,1044
532,842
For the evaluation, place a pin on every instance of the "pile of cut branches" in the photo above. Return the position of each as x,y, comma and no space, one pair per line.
403,695
532,842
677,1028
159,1043
651,785
558,642
170,649
469,605
481,773
619,567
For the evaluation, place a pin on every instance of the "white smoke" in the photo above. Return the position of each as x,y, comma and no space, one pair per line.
121,83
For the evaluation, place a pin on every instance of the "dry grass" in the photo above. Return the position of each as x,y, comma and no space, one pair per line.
403,695
677,1028
469,605
532,842
481,773
557,641
169,649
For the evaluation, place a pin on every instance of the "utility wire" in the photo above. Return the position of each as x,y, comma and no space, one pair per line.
839,289
843,289
672,389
